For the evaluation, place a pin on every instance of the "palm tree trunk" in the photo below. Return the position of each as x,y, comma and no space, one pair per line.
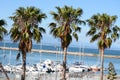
100,57
102,64
64,64
4,71
23,66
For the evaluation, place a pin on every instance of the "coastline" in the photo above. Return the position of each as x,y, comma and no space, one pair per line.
59,52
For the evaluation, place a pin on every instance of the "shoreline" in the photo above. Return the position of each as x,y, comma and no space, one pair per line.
59,52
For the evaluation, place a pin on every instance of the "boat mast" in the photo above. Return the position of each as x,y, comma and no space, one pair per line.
82,54
40,52
4,55
10,56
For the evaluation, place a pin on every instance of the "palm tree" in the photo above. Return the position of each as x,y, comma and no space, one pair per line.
3,32
65,26
102,28
25,29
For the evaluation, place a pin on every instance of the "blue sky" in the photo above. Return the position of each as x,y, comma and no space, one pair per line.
90,7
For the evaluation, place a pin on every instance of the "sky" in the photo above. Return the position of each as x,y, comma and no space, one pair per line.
90,7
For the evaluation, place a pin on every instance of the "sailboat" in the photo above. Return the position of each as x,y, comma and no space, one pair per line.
80,66
96,67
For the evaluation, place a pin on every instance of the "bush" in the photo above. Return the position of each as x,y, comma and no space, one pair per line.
111,72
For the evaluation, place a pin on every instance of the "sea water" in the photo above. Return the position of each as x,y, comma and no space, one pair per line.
9,56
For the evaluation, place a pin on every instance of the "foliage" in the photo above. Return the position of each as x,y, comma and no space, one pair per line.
3,31
111,72
25,27
66,25
102,28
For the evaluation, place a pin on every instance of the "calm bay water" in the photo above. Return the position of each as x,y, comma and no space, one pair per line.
9,56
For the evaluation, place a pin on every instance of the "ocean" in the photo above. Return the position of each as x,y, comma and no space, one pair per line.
9,56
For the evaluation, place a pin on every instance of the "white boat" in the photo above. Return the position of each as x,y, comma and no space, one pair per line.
7,68
95,68
76,68
59,68
46,66
86,67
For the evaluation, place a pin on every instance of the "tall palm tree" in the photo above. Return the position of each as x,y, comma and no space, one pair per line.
3,32
25,29
103,30
65,26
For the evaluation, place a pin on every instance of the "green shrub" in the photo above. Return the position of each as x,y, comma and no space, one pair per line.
111,72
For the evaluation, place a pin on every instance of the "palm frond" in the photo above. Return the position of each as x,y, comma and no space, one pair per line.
3,31
108,42
91,22
95,37
56,16
18,56
101,44
36,34
69,39
41,16
52,24
59,9
78,11
75,28
75,36
2,22
42,30
82,22
78,29
15,34
115,36
116,29
92,31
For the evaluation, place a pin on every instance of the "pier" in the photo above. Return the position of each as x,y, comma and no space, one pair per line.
59,52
